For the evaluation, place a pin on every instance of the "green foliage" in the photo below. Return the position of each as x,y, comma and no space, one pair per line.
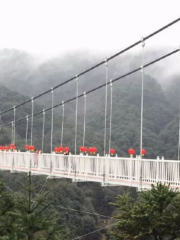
21,217
153,215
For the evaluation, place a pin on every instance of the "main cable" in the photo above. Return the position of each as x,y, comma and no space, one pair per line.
98,64
101,86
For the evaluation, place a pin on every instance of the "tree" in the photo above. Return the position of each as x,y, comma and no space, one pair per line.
33,219
6,205
155,214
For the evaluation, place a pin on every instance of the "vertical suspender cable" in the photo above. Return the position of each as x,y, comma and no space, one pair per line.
62,126
75,147
179,119
142,106
110,121
0,121
32,113
43,127
27,123
52,120
179,130
12,131
32,119
105,115
142,96
84,131
14,124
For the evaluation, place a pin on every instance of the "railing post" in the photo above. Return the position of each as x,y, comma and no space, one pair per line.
106,171
69,164
13,163
52,164
130,171
157,170
97,165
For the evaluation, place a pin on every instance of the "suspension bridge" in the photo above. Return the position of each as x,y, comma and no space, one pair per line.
107,169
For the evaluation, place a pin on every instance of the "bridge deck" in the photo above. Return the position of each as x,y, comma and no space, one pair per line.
106,170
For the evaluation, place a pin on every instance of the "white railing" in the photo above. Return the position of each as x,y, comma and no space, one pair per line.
107,170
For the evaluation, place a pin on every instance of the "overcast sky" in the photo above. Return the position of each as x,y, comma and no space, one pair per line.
52,27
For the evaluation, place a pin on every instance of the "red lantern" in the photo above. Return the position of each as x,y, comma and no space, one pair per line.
85,149
94,150
12,146
112,151
31,148
66,150
81,149
60,149
27,147
55,149
143,152
131,152
90,150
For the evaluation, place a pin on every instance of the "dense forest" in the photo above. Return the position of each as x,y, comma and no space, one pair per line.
21,77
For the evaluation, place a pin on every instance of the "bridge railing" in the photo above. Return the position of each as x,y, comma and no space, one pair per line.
107,170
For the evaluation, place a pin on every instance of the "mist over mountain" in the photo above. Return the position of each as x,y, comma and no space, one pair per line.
19,71
22,72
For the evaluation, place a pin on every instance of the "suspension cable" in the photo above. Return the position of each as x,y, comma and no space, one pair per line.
76,114
62,126
32,115
110,121
44,115
52,116
12,131
84,130
105,115
0,121
142,97
27,123
179,118
103,85
179,129
14,124
98,64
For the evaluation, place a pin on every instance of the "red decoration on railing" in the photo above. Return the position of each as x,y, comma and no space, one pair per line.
112,151
81,149
86,149
131,152
12,147
66,150
60,149
26,147
143,152
31,148
90,150
94,150
55,149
